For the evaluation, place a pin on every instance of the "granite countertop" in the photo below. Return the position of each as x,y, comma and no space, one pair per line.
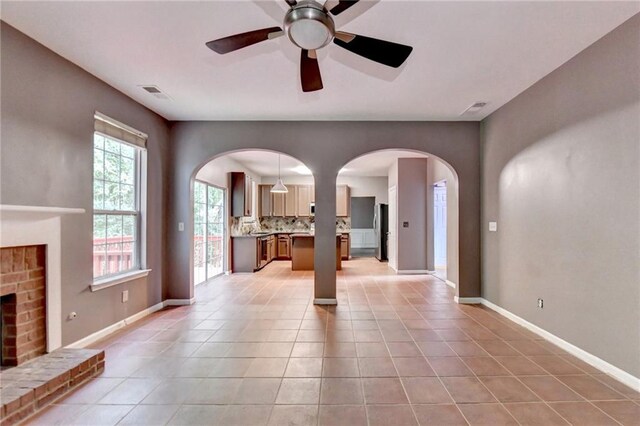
308,235
292,233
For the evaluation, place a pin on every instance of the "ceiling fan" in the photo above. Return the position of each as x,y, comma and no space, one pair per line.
309,25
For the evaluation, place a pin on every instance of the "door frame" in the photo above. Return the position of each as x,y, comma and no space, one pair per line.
225,231
393,204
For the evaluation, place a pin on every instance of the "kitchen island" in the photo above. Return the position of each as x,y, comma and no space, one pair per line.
302,252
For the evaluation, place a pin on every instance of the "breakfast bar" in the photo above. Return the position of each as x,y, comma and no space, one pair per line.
302,252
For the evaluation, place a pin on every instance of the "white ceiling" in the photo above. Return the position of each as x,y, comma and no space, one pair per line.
377,163
265,163
463,52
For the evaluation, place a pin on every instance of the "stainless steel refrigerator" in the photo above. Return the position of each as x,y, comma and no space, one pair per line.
381,226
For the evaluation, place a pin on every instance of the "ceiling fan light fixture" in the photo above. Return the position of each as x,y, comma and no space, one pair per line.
309,26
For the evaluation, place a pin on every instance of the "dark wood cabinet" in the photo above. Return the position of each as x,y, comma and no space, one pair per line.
241,194
345,246
284,246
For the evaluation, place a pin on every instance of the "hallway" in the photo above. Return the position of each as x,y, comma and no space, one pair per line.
396,351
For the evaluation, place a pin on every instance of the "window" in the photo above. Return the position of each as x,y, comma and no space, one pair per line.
208,231
117,217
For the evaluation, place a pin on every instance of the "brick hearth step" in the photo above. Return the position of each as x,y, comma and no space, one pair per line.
27,388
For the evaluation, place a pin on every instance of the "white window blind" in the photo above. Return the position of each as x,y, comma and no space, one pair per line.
114,129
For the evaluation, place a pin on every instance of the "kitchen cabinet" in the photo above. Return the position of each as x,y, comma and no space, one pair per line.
304,200
343,201
284,246
241,194
277,204
290,198
271,248
345,246
297,202
264,201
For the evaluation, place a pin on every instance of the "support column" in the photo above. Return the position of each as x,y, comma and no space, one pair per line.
325,240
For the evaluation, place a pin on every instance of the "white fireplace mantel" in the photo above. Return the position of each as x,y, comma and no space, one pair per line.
36,225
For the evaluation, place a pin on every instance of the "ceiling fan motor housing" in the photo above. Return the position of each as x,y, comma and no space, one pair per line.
309,26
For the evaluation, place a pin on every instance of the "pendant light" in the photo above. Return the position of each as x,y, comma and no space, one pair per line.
279,187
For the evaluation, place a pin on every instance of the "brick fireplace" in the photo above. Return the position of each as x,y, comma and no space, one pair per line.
32,228
23,298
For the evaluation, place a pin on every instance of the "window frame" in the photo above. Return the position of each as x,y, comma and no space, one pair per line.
139,268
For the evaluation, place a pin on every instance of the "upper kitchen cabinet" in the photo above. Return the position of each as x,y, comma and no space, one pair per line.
277,204
241,194
304,200
343,201
265,202
290,207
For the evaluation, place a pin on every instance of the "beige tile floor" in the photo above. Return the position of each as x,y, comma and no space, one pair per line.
395,351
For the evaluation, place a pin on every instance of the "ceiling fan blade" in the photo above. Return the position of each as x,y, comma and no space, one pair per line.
238,41
310,71
341,6
381,51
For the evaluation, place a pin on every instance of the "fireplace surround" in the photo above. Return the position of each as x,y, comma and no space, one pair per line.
22,230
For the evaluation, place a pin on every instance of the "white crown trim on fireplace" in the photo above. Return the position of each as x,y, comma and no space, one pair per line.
37,225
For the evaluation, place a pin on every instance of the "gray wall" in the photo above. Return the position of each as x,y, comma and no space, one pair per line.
561,176
412,208
324,147
362,209
47,160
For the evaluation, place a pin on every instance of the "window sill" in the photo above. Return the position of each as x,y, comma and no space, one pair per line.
119,279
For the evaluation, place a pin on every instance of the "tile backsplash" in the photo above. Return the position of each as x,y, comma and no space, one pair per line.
246,225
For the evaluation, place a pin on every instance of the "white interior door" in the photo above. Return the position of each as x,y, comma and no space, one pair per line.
392,238
440,224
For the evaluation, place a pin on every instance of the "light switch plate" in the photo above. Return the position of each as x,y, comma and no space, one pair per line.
125,296
180,226
493,226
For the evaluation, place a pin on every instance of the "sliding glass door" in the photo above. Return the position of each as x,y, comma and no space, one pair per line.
208,231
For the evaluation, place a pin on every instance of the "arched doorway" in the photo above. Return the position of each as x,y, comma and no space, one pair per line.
395,213
246,203
325,147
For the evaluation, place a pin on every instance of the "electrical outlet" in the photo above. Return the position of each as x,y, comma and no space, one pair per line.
405,224
540,303
493,226
125,296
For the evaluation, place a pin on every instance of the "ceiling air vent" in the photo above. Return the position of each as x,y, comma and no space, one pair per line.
474,108
156,92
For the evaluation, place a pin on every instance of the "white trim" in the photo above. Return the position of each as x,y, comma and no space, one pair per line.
467,300
13,212
325,301
36,225
413,272
451,284
180,302
594,361
94,337
101,284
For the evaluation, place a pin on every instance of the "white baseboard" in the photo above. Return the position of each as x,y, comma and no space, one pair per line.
328,301
94,337
594,361
451,284
179,302
413,272
467,300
